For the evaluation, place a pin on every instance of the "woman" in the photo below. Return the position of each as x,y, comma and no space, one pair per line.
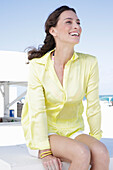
59,78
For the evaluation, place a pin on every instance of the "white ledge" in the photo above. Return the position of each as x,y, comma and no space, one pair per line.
17,157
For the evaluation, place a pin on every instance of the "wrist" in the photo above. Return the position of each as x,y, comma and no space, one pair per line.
44,153
45,150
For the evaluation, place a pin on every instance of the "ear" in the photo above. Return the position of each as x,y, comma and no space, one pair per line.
53,31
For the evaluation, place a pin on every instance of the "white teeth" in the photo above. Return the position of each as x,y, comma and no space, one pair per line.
74,34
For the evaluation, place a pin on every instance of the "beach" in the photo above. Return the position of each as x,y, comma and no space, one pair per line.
107,120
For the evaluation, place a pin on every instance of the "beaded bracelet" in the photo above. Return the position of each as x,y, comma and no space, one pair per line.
44,154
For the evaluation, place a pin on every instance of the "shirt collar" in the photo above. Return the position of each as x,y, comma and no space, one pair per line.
44,59
74,57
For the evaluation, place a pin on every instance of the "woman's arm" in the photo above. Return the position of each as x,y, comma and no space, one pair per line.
34,118
93,111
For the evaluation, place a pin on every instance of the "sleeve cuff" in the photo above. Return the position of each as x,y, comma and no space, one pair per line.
97,136
39,145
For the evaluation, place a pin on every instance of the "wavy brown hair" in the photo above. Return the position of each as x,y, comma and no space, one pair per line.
49,42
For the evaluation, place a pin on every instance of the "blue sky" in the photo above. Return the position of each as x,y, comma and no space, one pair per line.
22,25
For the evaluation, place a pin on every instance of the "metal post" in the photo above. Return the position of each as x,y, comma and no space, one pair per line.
6,98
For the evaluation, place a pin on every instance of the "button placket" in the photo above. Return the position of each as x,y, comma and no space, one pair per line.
65,78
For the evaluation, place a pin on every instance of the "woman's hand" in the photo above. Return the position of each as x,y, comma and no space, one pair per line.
50,162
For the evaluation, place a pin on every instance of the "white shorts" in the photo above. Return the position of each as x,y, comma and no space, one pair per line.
35,153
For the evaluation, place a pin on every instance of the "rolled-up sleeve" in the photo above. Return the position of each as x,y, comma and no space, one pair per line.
34,118
93,110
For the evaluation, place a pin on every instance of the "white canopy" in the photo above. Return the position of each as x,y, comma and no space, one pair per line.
13,71
13,66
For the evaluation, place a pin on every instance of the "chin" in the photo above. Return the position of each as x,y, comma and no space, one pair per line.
75,42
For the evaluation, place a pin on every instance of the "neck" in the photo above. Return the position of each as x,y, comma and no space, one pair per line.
63,55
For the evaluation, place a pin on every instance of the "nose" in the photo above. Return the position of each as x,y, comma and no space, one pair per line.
76,25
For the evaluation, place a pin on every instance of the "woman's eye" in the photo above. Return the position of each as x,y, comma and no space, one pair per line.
68,22
78,23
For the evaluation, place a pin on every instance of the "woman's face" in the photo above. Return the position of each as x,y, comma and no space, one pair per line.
68,29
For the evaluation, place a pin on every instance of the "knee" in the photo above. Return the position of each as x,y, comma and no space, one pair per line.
104,154
83,154
101,153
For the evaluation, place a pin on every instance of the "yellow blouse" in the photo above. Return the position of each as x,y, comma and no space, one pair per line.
52,108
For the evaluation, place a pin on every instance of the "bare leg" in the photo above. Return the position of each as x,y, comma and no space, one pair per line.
75,152
99,152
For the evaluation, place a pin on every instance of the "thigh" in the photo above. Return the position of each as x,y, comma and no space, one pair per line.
99,152
66,148
89,141
97,148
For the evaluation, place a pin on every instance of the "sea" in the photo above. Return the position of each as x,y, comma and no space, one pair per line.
108,98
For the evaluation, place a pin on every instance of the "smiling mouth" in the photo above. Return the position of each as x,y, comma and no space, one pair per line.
75,34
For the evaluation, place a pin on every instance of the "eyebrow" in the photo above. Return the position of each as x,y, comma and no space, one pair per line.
72,19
